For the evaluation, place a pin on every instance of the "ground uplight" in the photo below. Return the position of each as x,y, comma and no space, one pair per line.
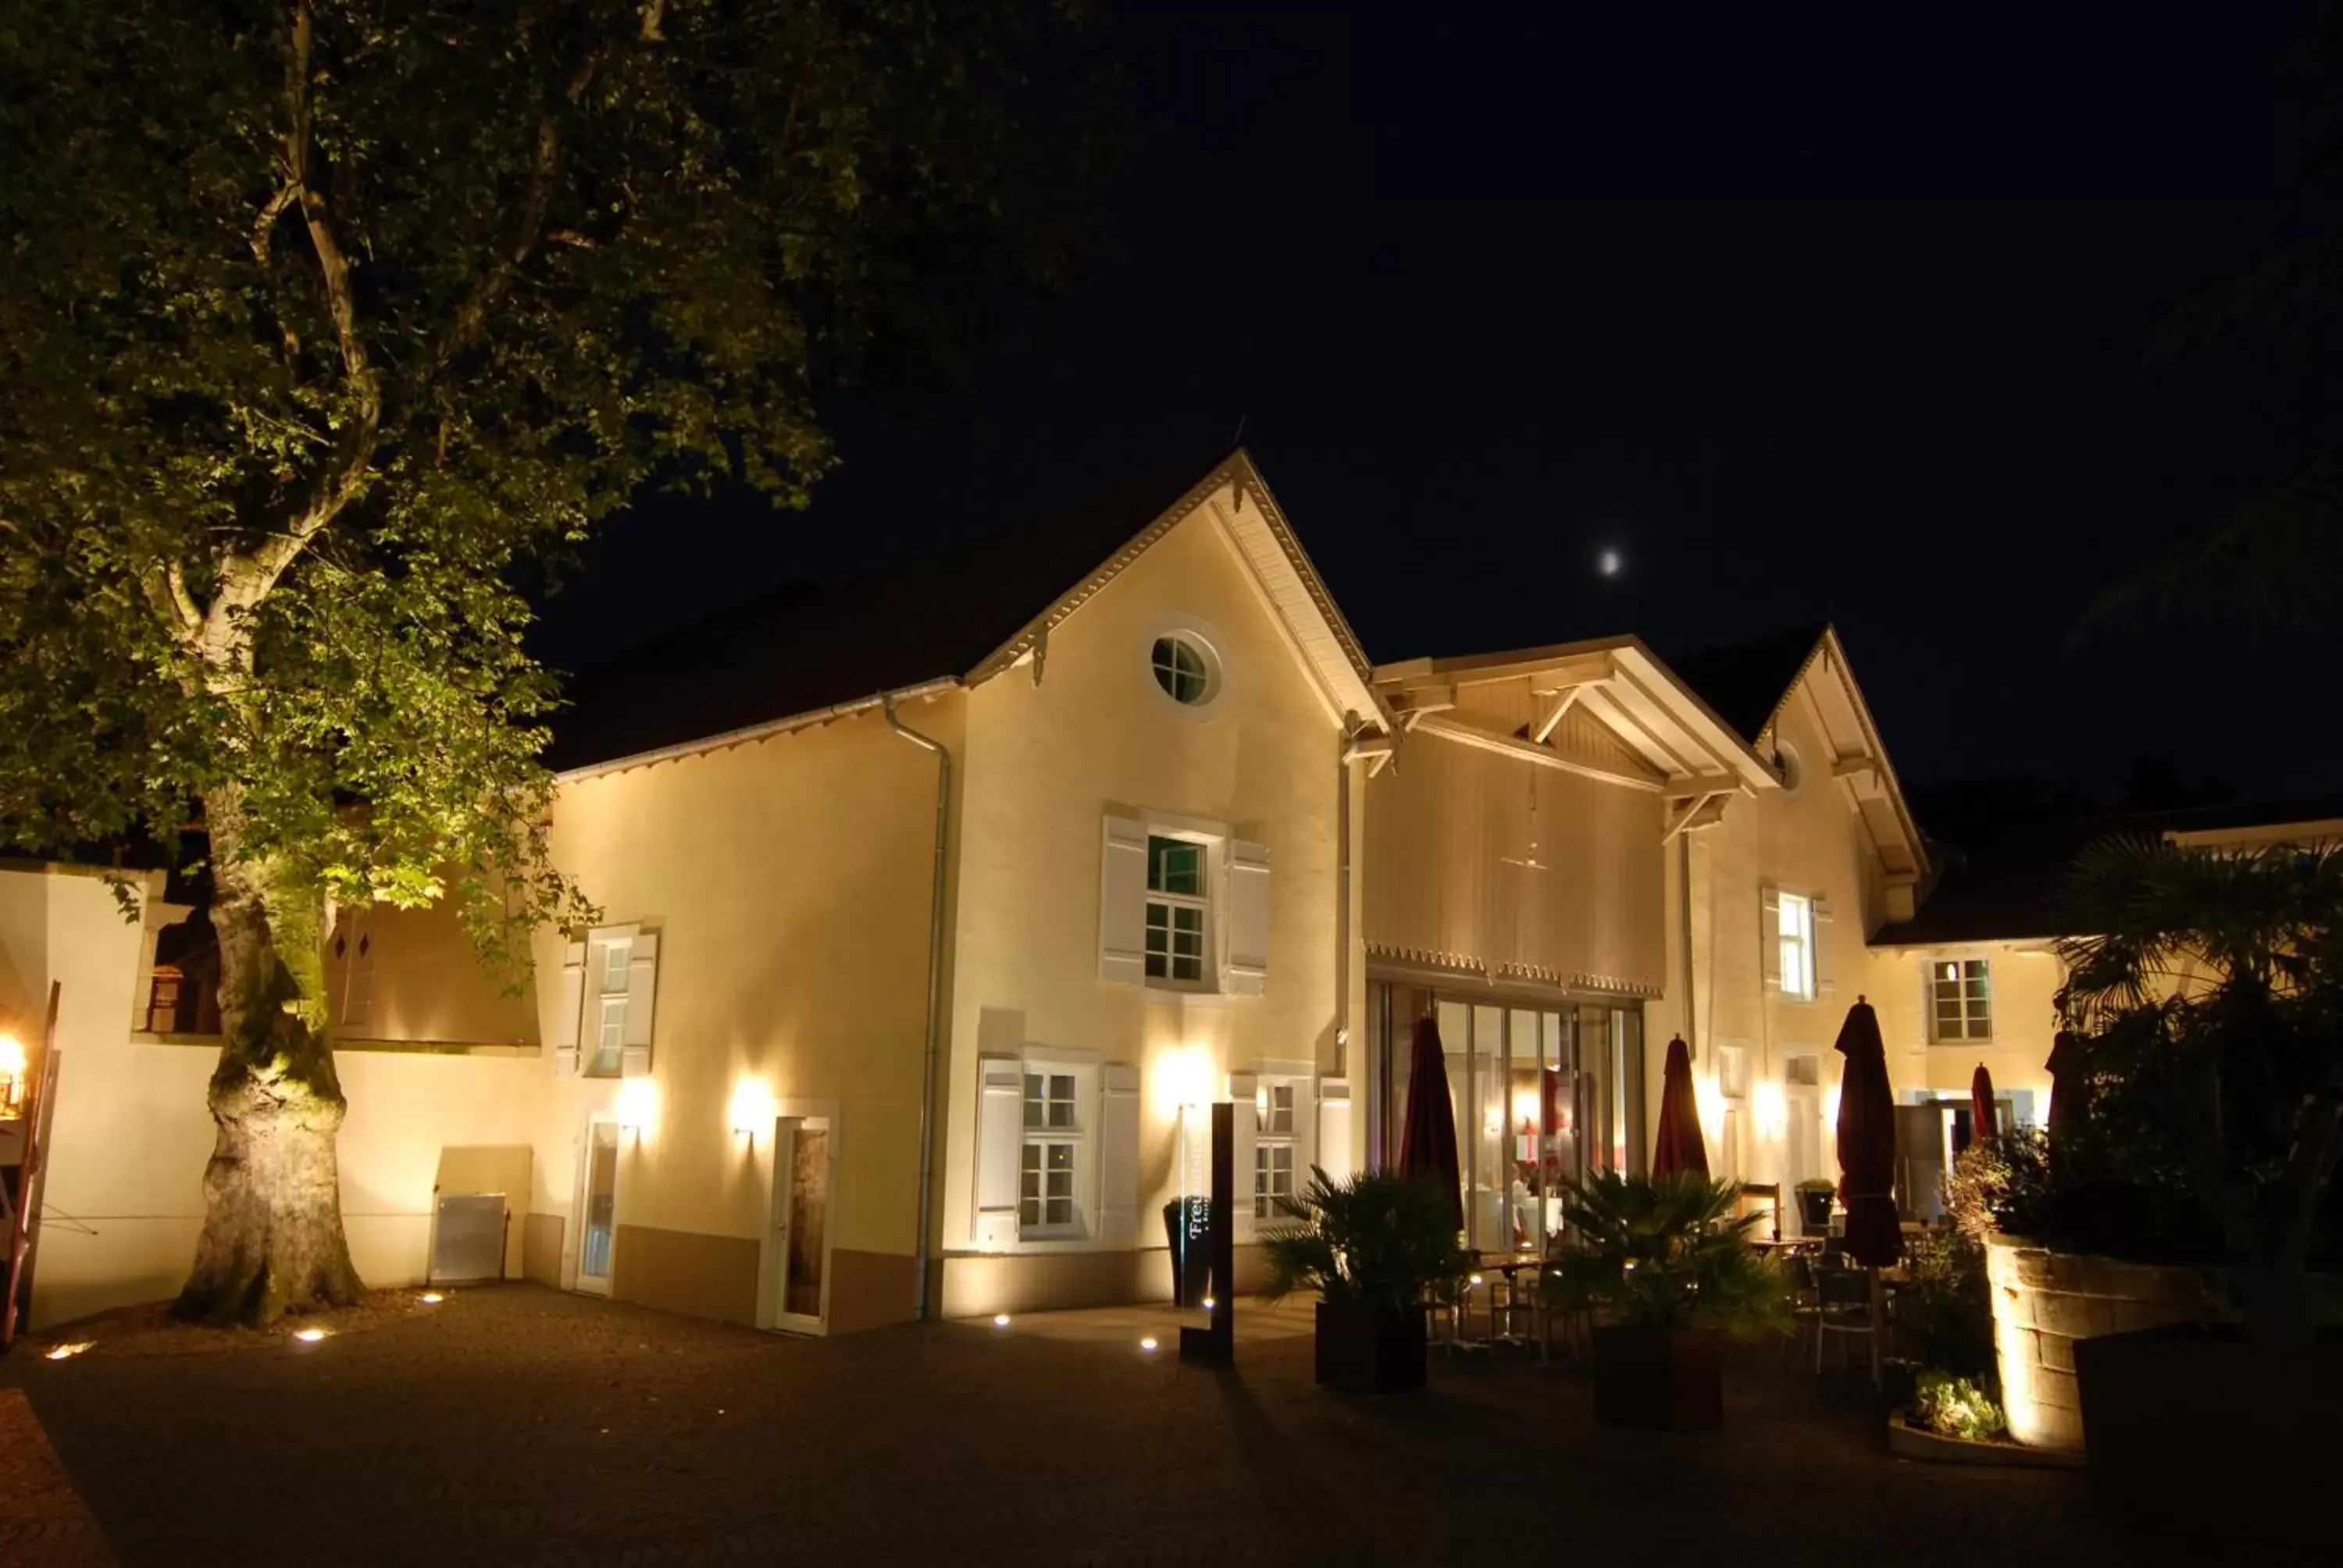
310,1336
1148,1344
1001,1320
432,1298
67,1352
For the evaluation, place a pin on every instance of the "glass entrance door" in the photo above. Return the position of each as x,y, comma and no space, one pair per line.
597,1207
802,1174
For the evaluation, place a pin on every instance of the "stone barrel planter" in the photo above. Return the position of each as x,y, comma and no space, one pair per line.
2043,1302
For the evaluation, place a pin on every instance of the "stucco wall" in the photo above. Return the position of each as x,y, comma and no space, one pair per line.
789,879
2025,978
131,1135
1045,763
1806,840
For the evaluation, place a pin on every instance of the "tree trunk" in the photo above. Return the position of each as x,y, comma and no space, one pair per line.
272,1238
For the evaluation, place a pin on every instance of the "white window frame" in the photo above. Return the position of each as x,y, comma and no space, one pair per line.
1796,946
1975,1022
1207,976
616,953
607,1058
1037,1139
1273,1096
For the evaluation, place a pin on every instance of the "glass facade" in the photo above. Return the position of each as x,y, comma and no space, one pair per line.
1542,1094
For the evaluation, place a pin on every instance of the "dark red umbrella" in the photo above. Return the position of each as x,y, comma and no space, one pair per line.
2066,1068
1866,1142
1678,1145
1983,1124
1427,1144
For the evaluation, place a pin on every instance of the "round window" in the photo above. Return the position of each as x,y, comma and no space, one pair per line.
1787,766
1182,670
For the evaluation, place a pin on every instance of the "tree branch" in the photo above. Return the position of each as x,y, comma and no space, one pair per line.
265,224
246,580
464,328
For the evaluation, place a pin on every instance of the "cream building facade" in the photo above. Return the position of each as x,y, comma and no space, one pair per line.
939,906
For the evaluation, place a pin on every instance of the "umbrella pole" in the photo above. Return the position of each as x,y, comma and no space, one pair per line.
1878,1317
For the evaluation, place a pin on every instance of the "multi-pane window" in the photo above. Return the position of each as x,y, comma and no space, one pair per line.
610,1039
1177,910
1181,670
1272,1149
1797,940
1961,991
1045,1190
615,960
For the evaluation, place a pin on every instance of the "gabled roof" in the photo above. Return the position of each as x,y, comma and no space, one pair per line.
2005,885
1747,682
957,617
1617,680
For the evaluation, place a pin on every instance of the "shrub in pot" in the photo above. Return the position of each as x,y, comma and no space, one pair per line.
2211,997
1814,1196
1373,1246
1666,1267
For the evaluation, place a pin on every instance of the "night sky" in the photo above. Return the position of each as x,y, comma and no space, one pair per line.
1806,312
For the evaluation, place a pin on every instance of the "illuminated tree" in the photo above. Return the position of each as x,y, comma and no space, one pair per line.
323,320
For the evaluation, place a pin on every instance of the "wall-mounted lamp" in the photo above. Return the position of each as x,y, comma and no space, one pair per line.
12,1074
637,1109
753,1108
1772,1107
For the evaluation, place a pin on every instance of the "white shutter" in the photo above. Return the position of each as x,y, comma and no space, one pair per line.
1334,1151
568,1008
642,990
1123,902
1248,920
1244,1123
1000,1121
1928,1001
1117,1152
1769,935
1826,971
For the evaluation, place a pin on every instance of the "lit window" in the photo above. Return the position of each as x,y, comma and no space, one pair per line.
1961,991
611,1038
1272,1149
1045,1192
615,956
1181,670
1045,1185
1177,910
1797,936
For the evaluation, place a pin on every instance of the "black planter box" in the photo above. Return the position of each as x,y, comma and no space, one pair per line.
1659,1380
1813,1212
1369,1349
2197,1431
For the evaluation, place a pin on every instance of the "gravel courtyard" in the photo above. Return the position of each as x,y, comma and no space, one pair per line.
518,1425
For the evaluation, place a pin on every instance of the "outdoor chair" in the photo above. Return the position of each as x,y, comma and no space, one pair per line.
1843,1308
1805,1307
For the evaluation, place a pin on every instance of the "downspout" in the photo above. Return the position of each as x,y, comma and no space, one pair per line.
1684,914
1343,905
935,1003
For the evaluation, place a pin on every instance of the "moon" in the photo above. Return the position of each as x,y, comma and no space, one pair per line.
1609,562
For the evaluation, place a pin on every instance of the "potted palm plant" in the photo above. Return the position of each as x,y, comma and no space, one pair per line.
2211,989
1371,1245
1666,1267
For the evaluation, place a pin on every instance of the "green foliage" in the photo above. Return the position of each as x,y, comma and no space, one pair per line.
325,320
1666,1252
1377,1237
2113,1185
1818,1184
1955,1407
1945,1315
2210,1002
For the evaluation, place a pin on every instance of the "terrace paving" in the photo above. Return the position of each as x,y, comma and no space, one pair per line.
520,1424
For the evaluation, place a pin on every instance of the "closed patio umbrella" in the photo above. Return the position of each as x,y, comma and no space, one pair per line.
1983,1124
1427,1144
2066,1068
1678,1144
1866,1142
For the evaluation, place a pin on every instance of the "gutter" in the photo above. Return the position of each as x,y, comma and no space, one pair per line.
920,1252
758,731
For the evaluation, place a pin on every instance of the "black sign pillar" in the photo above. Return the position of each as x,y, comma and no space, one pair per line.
1216,1342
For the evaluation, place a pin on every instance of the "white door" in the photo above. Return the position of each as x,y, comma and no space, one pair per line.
798,1255
598,1206
1803,1150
